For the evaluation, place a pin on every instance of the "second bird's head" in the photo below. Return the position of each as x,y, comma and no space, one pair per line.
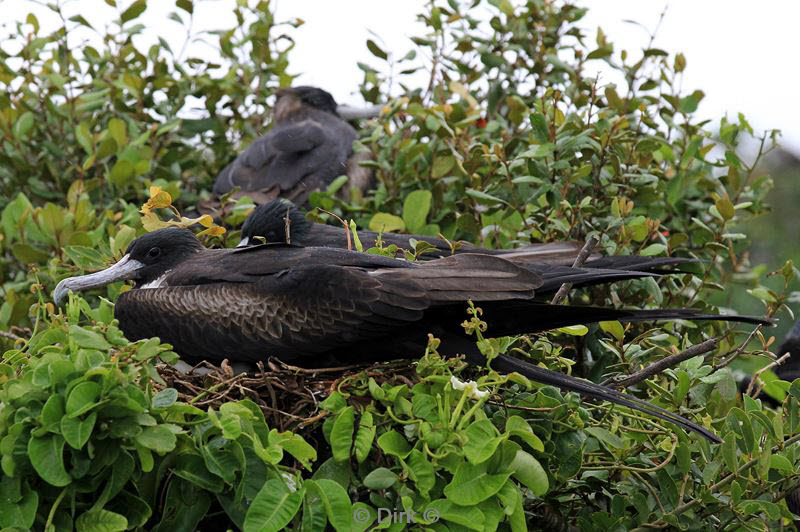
269,221
294,99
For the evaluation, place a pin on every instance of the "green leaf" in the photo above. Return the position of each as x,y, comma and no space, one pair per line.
689,103
295,445
191,467
483,196
19,513
517,426
165,398
158,438
101,521
415,209
336,502
530,472
757,506
46,454
392,442
133,11
88,339
118,131
342,434
82,398
442,166
122,172
606,436
614,328
740,423
53,412
781,463
467,516
653,249
472,484
23,125
376,50
76,431
386,223
422,472
28,254
380,478
84,137
574,330
364,437
273,507
482,441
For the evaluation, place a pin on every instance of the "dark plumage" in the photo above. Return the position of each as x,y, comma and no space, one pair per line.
280,221
308,146
310,303
790,370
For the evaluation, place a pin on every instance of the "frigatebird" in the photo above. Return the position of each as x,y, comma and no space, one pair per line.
307,303
308,146
281,221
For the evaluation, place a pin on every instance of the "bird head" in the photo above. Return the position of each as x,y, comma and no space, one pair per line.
294,99
147,258
269,221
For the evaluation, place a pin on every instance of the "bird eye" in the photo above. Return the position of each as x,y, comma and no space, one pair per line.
152,253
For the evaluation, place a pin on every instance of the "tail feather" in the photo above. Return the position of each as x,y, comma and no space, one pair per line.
518,317
508,364
638,263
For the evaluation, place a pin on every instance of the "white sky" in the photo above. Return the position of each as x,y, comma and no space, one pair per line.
743,55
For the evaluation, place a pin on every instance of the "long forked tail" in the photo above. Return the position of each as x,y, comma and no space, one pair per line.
516,317
519,317
509,364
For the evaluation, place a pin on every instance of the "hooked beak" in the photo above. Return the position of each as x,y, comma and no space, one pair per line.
244,242
347,112
123,270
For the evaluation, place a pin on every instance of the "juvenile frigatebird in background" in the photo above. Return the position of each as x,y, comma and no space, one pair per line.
308,146
311,304
281,221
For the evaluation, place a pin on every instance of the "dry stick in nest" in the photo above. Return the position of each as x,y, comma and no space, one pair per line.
579,260
667,362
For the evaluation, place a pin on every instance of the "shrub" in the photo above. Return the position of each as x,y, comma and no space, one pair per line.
511,142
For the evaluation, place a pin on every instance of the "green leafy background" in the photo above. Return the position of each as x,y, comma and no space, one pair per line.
510,143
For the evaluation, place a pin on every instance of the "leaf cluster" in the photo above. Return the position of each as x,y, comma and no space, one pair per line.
513,140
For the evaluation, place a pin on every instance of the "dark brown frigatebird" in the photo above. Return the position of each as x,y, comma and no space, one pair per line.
281,221
310,303
308,146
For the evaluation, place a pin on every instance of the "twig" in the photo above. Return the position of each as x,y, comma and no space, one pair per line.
287,226
11,336
346,228
738,350
666,362
727,479
771,365
579,260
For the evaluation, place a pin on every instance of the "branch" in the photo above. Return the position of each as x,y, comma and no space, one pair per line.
758,373
579,260
665,363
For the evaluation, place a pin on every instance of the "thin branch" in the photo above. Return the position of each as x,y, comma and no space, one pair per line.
738,351
667,362
771,365
579,260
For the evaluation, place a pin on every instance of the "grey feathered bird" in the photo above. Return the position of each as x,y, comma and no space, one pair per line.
308,146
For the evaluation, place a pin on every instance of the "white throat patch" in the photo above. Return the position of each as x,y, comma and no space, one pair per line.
156,283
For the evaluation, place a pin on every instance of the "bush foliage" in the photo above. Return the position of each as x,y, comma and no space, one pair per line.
511,142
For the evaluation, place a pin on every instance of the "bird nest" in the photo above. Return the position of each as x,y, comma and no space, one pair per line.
289,396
